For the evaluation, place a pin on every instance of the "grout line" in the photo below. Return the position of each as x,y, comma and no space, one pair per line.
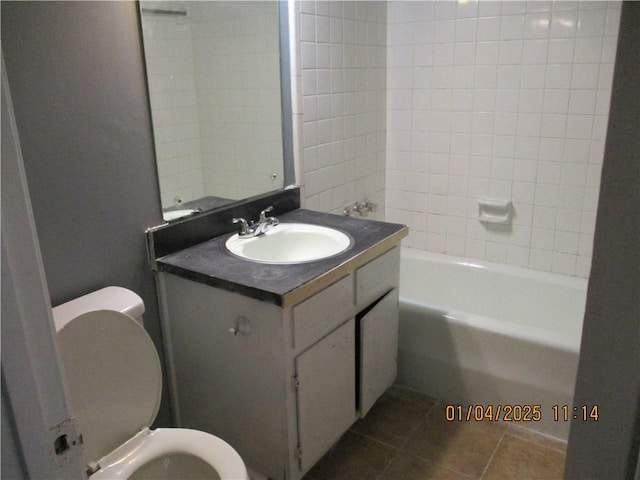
374,439
398,449
386,467
395,450
537,444
417,426
512,431
486,467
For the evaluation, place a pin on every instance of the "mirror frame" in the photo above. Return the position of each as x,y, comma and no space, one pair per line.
286,94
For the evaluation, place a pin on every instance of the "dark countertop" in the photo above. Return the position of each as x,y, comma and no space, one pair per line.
211,263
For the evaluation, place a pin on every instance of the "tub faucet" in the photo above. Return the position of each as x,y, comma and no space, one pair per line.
360,208
258,228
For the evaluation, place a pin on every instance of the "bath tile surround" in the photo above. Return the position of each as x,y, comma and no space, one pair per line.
481,99
505,100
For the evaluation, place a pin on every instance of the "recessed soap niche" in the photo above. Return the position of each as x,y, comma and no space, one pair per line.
495,211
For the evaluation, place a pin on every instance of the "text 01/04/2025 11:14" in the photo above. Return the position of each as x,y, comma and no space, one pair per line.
519,413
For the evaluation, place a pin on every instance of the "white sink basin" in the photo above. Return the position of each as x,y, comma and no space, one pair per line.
290,243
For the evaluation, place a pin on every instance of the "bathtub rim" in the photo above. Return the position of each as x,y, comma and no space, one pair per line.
552,277
519,331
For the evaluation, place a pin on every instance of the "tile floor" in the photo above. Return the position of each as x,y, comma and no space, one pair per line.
405,437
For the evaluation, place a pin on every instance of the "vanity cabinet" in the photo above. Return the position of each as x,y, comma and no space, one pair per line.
281,384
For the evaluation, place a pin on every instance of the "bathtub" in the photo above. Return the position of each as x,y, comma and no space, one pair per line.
477,334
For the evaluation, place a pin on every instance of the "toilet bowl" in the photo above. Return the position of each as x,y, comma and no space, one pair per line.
114,382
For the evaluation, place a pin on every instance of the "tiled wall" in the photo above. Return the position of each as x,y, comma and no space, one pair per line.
339,81
503,100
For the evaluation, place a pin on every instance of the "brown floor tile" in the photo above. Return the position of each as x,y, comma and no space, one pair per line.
353,457
409,467
517,459
394,416
462,446
405,437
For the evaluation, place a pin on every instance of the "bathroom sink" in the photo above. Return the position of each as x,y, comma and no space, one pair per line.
288,243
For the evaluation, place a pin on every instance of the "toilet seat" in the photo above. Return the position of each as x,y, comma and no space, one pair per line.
152,444
114,381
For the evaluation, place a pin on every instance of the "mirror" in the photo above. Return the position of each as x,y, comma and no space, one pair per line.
214,73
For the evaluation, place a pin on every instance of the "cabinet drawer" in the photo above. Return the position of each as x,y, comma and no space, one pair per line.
377,277
321,313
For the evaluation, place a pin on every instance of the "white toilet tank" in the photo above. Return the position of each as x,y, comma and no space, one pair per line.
109,298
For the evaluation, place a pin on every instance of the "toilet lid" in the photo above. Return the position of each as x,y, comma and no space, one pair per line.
114,378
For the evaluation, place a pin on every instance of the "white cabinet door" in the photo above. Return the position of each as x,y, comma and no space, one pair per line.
326,375
378,350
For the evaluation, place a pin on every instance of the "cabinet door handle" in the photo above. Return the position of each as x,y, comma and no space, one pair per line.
243,326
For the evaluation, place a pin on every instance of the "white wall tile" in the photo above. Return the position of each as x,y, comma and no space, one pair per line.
588,50
580,126
554,125
466,29
536,25
561,50
582,102
512,7
558,76
556,101
488,28
445,10
467,9
591,23
512,27
535,51
344,98
563,24
488,8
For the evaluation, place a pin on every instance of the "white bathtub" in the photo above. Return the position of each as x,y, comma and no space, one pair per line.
478,333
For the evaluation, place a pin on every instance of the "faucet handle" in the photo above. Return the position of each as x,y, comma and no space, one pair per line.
244,226
267,222
263,214
367,206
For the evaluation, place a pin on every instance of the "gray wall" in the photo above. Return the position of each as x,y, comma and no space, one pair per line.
77,82
609,369
12,462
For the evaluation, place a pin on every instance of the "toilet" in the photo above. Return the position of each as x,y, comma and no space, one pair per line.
114,383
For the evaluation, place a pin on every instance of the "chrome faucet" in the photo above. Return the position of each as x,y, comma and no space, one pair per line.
258,228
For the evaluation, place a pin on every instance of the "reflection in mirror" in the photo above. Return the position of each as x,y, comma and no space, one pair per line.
213,72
